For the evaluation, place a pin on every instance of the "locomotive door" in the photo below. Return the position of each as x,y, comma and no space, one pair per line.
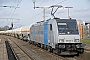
51,36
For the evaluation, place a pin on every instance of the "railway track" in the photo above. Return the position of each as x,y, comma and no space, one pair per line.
25,52
25,56
36,53
10,52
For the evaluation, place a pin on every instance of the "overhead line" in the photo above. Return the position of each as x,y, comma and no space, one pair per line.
38,13
41,12
62,1
44,1
16,8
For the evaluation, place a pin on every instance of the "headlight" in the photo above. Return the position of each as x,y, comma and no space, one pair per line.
76,40
61,40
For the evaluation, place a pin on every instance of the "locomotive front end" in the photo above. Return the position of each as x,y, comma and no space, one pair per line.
68,37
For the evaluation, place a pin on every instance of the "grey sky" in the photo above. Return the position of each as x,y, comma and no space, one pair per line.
28,15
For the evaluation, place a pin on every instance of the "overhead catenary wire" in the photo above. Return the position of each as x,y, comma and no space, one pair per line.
36,15
44,1
16,8
62,1
14,12
42,11
40,4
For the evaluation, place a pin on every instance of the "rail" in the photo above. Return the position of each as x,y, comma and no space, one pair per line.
22,50
10,51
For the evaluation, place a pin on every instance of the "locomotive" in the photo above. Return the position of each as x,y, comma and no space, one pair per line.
60,36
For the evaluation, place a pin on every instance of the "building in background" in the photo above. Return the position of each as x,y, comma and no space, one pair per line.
84,29
87,30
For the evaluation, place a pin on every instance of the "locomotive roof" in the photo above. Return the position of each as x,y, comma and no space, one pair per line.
66,20
57,20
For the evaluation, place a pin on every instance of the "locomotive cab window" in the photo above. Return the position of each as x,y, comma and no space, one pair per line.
62,26
66,27
50,26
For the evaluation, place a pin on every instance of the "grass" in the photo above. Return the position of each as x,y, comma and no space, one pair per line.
86,41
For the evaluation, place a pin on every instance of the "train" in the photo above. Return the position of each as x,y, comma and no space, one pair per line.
60,36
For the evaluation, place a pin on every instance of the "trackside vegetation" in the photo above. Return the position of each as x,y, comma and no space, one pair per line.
86,41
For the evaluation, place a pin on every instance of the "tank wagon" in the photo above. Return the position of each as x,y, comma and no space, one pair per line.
22,32
17,33
60,36
25,32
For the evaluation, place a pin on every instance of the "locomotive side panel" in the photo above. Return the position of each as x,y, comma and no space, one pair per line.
32,35
41,32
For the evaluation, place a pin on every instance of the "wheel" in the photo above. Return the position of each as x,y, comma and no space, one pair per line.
49,49
58,51
30,42
45,47
42,46
54,51
82,50
77,54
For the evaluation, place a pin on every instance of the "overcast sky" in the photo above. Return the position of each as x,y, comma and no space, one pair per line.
28,15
